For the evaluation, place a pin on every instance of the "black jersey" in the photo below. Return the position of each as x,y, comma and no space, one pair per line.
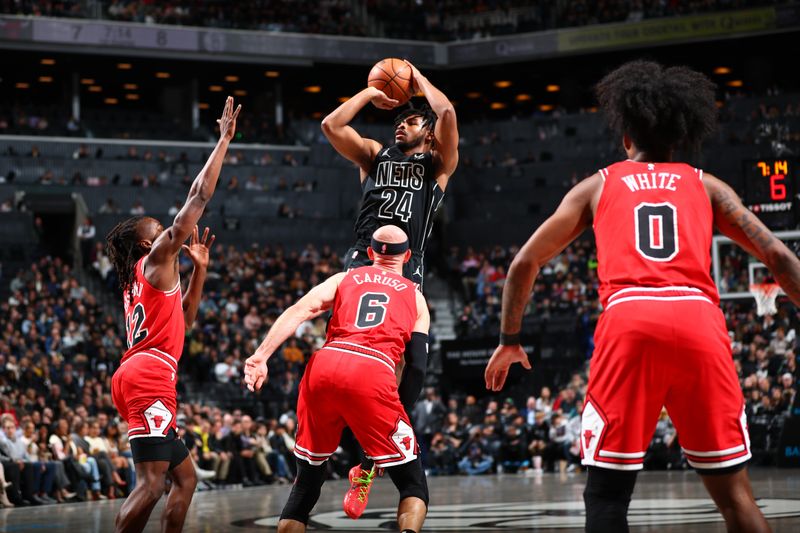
400,190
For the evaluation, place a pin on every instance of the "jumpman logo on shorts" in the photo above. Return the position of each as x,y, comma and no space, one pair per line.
418,271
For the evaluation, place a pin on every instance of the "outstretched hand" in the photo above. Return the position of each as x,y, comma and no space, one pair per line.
227,123
198,249
502,359
255,372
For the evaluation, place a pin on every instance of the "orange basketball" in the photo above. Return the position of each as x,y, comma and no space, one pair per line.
393,77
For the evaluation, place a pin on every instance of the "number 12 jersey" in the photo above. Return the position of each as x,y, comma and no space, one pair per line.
153,319
653,226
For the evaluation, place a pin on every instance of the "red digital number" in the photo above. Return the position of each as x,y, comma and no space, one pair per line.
777,189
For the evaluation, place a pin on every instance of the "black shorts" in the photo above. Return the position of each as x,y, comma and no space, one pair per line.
414,270
168,448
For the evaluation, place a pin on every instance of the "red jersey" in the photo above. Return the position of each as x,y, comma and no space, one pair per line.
373,314
653,228
154,319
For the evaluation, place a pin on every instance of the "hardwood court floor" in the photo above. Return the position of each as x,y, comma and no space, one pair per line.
663,502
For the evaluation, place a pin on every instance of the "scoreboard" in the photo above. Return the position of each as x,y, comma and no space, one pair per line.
770,190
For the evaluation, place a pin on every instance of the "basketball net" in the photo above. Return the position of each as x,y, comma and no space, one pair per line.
765,295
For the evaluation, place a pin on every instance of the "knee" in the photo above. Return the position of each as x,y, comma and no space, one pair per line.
153,489
190,482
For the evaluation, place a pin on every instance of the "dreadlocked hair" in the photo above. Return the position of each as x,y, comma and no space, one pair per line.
660,109
427,114
123,252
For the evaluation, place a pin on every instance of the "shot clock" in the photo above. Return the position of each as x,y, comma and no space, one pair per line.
770,190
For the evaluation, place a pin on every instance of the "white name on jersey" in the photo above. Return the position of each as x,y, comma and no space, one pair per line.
651,180
400,174
396,284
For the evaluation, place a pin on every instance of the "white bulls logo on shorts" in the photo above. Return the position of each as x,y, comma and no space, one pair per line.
592,426
158,418
404,440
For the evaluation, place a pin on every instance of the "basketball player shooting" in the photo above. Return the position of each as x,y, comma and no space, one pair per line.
402,184
378,318
662,338
145,256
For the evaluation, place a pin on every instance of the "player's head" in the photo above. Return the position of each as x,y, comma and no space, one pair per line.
389,247
658,110
128,242
414,127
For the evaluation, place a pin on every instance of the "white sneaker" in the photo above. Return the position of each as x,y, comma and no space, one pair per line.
203,475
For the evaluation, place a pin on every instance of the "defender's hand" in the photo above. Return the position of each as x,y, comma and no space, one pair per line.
198,249
381,101
255,372
227,123
502,359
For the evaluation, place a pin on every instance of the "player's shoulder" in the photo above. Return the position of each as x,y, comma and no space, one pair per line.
338,277
422,303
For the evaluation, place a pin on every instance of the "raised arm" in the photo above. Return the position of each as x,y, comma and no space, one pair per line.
570,219
314,303
198,251
345,139
446,130
737,222
167,246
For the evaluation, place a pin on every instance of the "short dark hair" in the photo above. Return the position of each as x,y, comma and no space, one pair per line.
660,108
427,114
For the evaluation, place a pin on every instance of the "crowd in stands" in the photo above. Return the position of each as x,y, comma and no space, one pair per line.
173,171
441,20
329,17
567,285
35,118
447,20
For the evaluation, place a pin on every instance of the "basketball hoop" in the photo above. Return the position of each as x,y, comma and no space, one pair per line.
765,295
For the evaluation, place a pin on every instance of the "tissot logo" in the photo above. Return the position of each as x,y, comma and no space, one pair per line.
527,516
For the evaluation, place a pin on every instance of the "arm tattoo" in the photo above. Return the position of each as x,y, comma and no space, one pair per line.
743,220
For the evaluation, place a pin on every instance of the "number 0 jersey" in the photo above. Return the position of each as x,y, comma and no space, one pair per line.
653,228
400,190
154,319
374,313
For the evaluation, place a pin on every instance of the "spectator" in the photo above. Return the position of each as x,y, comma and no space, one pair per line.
86,235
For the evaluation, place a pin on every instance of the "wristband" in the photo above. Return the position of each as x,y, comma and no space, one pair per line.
509,339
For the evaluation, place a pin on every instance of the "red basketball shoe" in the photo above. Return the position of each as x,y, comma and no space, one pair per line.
355,501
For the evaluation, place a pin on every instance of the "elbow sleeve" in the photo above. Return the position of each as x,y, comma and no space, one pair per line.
413,378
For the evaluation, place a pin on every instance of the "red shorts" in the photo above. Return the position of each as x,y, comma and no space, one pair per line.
342,387
653,351
143,391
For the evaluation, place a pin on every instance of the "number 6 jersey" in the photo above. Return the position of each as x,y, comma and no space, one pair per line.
653,226
153,319
400,190
374,313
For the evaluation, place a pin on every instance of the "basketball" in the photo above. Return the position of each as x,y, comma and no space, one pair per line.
393,77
